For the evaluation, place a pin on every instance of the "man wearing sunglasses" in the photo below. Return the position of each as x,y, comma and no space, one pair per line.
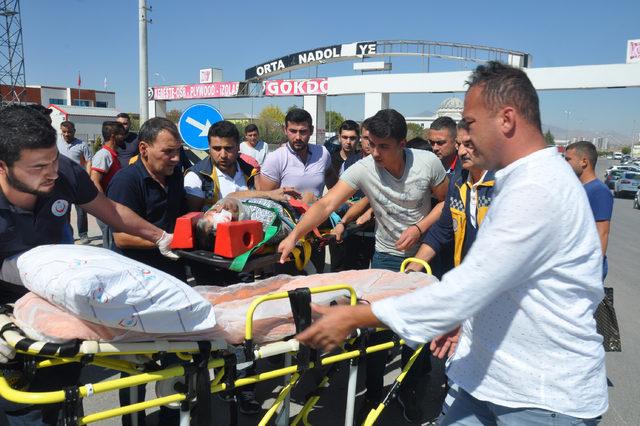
224,173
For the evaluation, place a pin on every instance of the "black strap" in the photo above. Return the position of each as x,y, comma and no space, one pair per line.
230,375
203,385
71,406
10,327
24,344
300,300
70,348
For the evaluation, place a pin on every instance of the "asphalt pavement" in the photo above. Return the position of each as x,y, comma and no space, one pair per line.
623,369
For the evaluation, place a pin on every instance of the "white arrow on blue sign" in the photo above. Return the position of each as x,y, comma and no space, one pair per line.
194,125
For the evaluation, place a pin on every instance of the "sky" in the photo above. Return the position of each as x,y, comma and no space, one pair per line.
100,39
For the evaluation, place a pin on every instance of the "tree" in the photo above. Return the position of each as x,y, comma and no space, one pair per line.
414,130
626,150
174,115
333,120
270,121
548,138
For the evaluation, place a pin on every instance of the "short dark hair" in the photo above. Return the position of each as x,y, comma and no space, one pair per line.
388,123
124,115
224,129
298,115
21,128
67,124
419,143
365,123
153,126
463,125
111,128
587,149
205,234
447,123
504,85
251,128
349,125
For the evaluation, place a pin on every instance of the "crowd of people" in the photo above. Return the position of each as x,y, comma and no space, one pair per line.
516,240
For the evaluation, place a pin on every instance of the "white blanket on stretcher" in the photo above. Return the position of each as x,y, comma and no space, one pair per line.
106,288
272,320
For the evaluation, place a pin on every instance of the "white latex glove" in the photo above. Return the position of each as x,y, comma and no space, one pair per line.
164,244
6,352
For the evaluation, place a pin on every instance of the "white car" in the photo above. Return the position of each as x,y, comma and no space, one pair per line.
636,200
628,184
625,168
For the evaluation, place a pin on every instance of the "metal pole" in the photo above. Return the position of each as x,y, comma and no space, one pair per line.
142,59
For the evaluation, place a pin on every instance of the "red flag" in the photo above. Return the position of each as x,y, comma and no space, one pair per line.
79,80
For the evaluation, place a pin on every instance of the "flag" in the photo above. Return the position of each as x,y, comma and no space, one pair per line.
79,80
105,82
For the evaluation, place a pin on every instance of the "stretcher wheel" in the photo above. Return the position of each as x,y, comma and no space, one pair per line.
170,387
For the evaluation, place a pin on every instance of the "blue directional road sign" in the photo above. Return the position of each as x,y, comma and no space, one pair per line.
194,125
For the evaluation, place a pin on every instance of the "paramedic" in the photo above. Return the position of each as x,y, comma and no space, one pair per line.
37,188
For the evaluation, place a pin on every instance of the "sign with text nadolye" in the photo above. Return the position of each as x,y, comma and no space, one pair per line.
314,86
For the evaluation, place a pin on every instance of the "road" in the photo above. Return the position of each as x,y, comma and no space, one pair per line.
623,369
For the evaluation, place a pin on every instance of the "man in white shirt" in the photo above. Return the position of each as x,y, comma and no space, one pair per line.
252,146
223,173
525,293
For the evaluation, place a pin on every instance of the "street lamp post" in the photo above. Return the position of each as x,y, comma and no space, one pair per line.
143,76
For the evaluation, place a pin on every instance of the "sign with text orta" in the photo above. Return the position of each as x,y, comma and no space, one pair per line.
194,125
313,56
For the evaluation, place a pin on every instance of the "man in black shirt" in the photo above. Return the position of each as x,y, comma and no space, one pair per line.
130,147
37,188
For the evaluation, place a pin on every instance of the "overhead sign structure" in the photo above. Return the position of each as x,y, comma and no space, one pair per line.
315,86
194,125
225,89
304,58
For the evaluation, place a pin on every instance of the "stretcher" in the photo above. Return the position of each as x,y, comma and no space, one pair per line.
206,366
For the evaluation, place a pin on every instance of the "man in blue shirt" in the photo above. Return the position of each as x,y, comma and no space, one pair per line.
582,157
37,188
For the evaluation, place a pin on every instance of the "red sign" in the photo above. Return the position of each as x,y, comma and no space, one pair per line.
316,86
225,89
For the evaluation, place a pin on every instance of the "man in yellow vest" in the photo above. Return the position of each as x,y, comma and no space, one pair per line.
223,173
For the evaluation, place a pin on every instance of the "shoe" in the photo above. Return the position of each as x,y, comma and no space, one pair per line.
364,411
411,411
83,240
247,403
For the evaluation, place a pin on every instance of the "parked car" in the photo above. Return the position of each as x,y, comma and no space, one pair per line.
625,168
332,144
636,200
628,184
611,177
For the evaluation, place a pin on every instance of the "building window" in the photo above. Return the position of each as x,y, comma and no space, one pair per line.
56,101
81,102
102,104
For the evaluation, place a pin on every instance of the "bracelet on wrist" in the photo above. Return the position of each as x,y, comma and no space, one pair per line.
419,230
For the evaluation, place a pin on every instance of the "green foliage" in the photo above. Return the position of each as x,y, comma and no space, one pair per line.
174,115
333,120
549,138
97,144
414,130
270,122
626,150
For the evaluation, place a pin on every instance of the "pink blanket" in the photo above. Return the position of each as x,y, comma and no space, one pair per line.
272,320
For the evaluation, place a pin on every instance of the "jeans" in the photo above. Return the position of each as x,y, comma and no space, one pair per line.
106,234
469,411
82,221
386,261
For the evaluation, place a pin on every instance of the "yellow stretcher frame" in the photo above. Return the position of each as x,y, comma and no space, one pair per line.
101,352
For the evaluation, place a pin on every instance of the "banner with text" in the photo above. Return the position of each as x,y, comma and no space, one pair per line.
315,86
225,89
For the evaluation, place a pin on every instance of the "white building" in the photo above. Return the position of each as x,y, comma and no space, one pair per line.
450,107
87,120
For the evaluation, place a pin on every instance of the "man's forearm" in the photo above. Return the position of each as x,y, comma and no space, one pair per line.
127,241
356,210
433,216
